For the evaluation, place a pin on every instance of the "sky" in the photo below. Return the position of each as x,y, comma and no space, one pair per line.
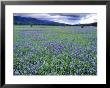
67,18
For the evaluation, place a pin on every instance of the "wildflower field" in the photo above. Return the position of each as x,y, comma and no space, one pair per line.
54,50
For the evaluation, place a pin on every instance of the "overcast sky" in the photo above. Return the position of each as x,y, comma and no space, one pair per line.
67,18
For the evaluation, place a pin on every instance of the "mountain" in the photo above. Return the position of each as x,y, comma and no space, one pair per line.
33,21
29,20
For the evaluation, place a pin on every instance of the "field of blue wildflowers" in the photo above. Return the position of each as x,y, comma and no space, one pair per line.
54,50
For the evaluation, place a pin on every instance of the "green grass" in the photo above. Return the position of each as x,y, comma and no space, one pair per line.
54,50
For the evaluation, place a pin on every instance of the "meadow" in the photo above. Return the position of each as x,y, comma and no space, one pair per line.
54,50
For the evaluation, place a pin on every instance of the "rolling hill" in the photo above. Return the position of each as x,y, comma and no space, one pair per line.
18,20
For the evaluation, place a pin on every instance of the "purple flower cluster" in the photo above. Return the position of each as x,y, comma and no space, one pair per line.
40,52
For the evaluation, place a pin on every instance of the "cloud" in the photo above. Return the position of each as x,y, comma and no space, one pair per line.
67,18
88,19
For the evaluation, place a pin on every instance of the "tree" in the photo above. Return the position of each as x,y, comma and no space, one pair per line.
82,26
31,24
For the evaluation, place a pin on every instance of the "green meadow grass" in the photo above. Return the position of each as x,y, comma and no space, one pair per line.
54,50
